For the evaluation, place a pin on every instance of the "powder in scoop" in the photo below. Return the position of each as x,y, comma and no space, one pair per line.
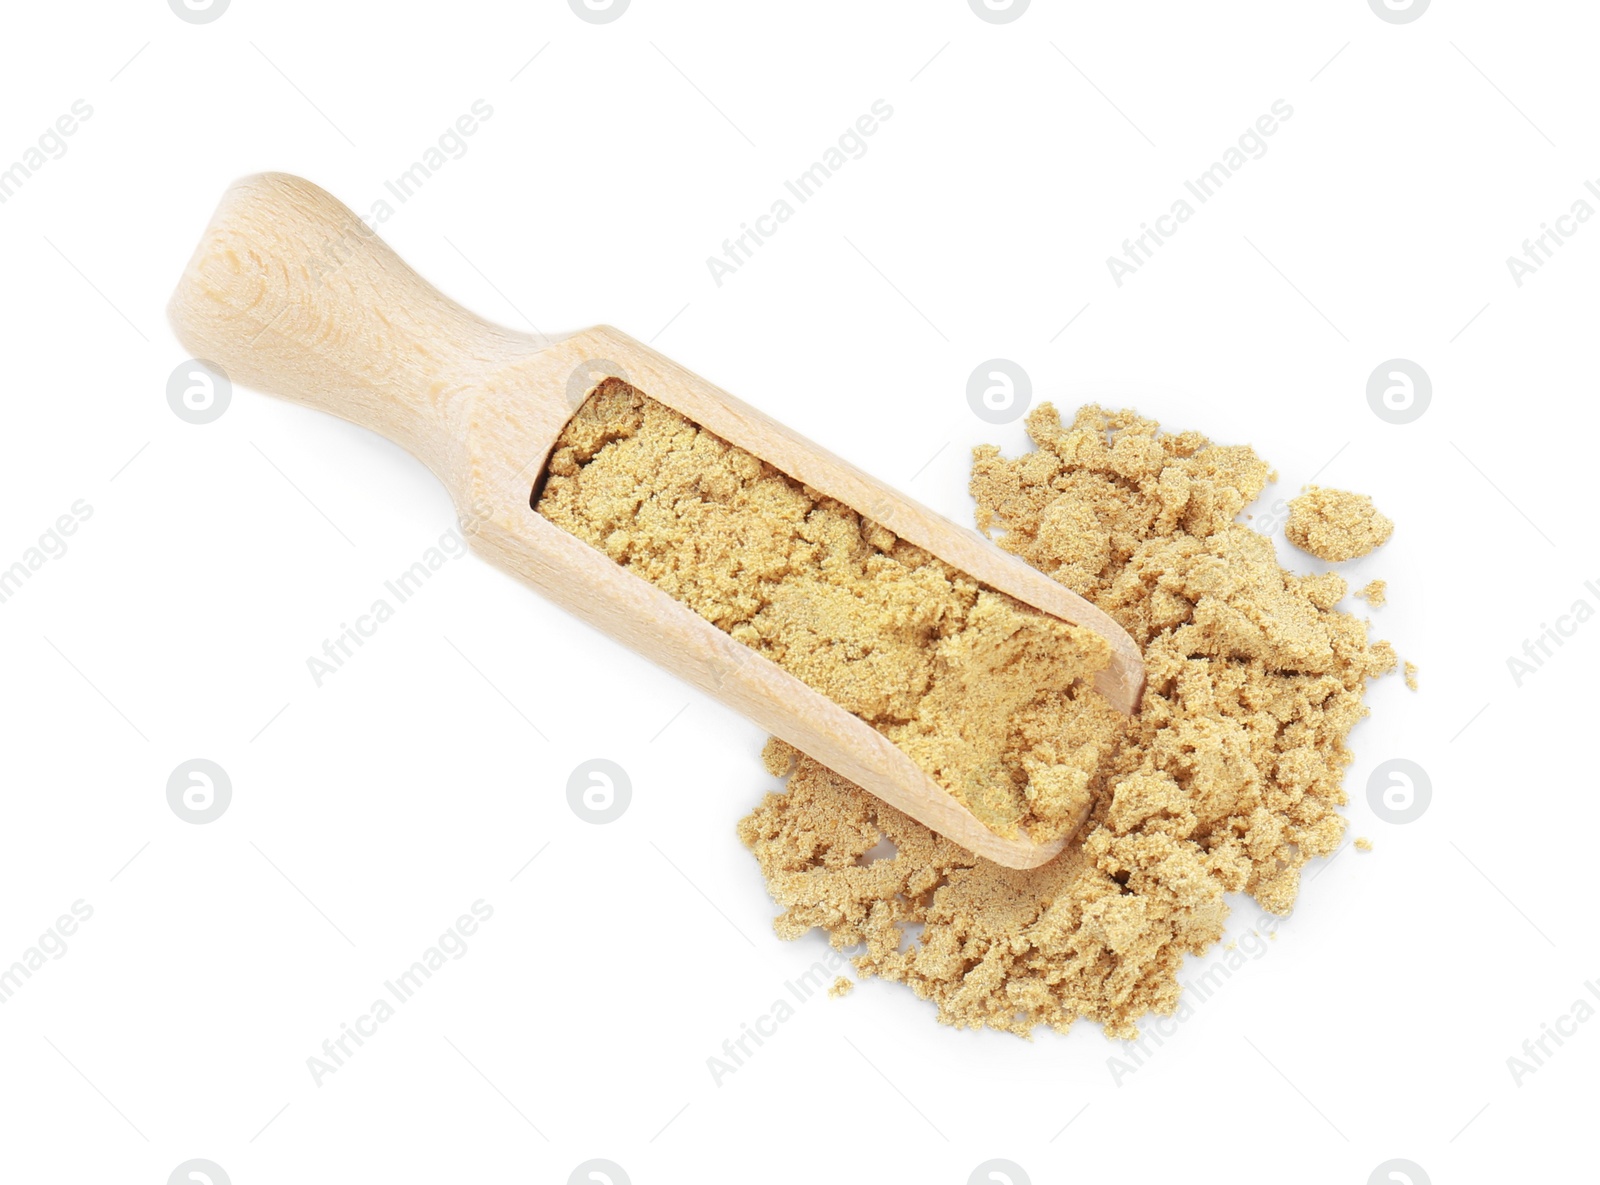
989,696
1336,525
1229,779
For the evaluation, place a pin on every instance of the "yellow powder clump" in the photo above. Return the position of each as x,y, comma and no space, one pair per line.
1363,844
1411,675
842,987
1228,780
1336,525
990,697
1375,593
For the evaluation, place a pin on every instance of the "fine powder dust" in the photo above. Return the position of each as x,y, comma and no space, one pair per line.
1228,780
989,696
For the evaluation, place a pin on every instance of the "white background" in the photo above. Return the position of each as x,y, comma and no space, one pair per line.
370,812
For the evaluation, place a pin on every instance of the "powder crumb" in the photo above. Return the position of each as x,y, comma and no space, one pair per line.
990,697
842,986
1229,780
777,757
1411,675
1336,525
1363,844
1375,593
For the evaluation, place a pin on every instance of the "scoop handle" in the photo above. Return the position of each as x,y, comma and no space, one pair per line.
291,292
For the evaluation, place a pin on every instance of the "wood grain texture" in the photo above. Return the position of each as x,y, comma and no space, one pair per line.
291,293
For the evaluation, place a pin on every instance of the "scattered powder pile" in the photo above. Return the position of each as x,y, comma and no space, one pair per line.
1229,778
1336,525
1375,593
989,696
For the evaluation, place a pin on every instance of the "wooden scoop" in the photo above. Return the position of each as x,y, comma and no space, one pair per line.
290,292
